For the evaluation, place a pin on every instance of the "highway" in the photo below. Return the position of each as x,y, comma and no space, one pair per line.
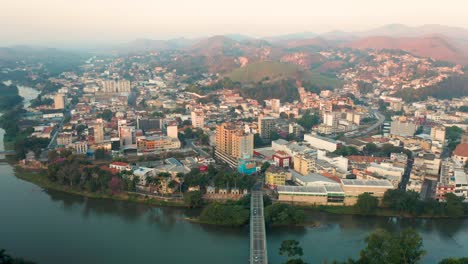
258,249
380,121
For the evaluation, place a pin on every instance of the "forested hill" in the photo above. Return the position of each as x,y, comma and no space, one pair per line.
452,87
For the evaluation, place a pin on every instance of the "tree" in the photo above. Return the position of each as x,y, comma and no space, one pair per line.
308,120
265,166
291,248
385,247
455,207
106,115
100,154
401,200
454,261
193,199
283,214
366,204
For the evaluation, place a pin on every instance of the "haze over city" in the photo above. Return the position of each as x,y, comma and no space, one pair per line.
248,131
88,22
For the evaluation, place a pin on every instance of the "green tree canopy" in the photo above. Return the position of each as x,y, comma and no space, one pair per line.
366,204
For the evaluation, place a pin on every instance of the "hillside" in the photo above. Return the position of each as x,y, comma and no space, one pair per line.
436,47
452,87
272,71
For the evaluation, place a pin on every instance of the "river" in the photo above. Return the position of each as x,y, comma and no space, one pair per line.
53,228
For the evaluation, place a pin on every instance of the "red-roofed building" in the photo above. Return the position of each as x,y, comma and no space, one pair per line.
331,176
120,166
461,152
282,159
111,170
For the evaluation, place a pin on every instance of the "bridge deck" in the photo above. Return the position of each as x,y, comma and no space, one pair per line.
258,250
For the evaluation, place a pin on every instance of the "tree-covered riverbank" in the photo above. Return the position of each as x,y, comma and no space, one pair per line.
38,178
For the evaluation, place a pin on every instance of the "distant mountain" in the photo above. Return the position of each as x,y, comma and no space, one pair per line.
316,42
223,54
436,47
293,36
399,30
145,45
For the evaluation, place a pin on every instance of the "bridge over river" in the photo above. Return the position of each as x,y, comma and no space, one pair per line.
258,249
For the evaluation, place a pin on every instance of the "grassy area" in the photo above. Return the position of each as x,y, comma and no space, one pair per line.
258,71
274,71
38,177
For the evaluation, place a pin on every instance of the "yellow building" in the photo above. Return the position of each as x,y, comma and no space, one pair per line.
304,163
275,176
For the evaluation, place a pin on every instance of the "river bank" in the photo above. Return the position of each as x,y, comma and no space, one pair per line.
38,178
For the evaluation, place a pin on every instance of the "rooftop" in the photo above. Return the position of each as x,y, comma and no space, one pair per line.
461,150
367,183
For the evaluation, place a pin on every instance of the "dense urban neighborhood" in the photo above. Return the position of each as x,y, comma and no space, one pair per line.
250,132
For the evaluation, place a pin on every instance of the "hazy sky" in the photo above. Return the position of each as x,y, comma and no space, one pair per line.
75,22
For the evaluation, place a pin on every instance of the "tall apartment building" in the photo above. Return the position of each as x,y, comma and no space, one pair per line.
266,126
331,119
172,131
59,101
198,119
275,105
438,133
98,130
147,124
403,128
127,134
232,143
112,86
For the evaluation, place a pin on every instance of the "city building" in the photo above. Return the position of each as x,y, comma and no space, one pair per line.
198,118
282,159
320,142
305,163
232,143
113,86
438,133
461,153
149,124
120,166
59,101
402,127
98,131
172,131
275,176
64,139
266,126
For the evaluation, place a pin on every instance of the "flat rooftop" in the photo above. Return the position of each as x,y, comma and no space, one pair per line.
319,189
367,183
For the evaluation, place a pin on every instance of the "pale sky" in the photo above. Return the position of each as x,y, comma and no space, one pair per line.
75,22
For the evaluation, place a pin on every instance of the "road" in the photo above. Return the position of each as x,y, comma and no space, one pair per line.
189,143
258,249
406,174
380,121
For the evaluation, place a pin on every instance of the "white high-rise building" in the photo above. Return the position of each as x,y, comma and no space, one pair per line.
172,131
198,118
112,86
